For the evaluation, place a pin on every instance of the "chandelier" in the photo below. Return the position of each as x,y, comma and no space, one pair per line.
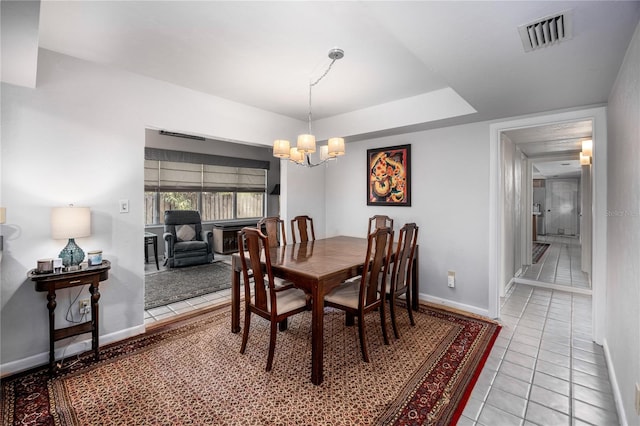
306,143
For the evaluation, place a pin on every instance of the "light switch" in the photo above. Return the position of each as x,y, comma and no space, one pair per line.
124,206
451,279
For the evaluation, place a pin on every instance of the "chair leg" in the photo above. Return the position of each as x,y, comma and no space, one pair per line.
348,319
363,338
392,313
283,325
272,344
384,324
409,308
245,332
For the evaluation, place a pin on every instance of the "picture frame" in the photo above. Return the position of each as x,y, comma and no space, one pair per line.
389,176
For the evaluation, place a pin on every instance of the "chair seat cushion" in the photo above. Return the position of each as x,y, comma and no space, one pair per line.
289,300
345,295
189,246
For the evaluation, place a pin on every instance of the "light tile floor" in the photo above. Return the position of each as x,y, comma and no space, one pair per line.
544,368
561,264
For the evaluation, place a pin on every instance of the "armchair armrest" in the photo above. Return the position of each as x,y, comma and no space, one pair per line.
169,240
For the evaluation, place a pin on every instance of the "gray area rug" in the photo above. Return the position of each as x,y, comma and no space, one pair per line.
178,284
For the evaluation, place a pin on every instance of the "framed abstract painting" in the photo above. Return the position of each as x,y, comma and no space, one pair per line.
389,176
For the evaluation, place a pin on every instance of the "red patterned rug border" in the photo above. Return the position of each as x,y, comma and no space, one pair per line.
446,411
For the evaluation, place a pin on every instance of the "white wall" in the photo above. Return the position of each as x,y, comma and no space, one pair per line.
450,204
622,334
79,138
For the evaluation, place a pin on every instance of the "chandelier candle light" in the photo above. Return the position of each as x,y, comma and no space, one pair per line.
306,143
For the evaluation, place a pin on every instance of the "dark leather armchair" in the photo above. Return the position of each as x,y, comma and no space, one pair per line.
186,243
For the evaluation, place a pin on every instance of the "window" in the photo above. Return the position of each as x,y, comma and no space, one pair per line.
218,192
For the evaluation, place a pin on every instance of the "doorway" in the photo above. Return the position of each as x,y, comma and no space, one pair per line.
503,236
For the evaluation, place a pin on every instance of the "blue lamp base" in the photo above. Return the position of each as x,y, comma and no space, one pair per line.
71,255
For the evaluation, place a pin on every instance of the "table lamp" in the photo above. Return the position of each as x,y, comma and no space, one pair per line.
71,222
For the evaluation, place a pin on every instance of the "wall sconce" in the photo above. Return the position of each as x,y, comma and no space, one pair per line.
71,222
587,152
585,160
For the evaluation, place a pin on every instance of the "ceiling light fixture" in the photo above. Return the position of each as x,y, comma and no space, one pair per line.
306,143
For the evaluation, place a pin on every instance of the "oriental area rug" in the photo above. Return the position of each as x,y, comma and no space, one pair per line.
192,373
173,285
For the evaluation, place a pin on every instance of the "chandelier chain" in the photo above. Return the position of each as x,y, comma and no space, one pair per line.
316,82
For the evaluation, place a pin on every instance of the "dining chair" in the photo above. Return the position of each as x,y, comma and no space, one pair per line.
401,273
380,221
366,293
273,227
274,303
304,225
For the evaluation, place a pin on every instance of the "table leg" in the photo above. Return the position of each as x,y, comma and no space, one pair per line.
317,336
95,332
235,297
51,305
155,251
146,251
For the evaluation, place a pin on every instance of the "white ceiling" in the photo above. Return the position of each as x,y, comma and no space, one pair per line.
554,148
266,53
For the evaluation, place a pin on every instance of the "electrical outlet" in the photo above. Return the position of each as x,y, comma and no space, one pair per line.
84,306
638,399
451,279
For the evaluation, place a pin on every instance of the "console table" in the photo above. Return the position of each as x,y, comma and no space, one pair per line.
91,276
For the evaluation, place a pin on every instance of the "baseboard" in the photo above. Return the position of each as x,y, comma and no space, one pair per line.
74,348
510,284
554,286
455,305
617,395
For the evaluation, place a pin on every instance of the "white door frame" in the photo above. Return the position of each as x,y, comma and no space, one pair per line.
599,204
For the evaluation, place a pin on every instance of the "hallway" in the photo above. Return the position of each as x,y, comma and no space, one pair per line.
559,266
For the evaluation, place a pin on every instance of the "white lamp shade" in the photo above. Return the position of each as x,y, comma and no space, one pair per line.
281,148
324,152
336,147
296,156
306,144
587,148
70,222
3,214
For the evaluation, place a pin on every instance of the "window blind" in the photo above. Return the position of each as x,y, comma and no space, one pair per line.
179,176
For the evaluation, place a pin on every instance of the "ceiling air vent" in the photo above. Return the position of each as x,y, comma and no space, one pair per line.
546,31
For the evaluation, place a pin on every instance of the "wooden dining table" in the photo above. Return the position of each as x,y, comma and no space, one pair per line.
316,267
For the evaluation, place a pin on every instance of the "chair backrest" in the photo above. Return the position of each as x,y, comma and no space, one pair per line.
403,260
379,221
185,225
304,225
273,228
251,246
374,279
